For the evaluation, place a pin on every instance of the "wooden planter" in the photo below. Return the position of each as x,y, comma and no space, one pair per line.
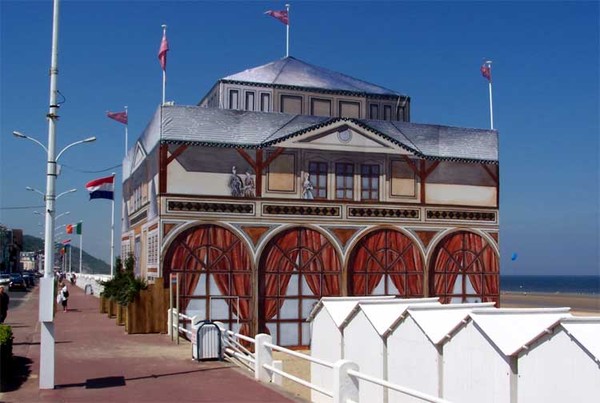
103,305
121,314
112,308
148,312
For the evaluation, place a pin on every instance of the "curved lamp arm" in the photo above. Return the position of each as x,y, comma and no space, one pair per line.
88,140
65,192
22,136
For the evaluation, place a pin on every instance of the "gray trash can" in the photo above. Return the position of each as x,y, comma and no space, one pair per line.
207,343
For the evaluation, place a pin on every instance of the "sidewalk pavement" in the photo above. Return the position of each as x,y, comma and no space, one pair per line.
97,361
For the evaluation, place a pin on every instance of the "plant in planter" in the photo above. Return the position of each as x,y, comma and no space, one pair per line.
124,286
6,345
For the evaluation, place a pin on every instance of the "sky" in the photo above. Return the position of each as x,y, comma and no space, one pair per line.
545,95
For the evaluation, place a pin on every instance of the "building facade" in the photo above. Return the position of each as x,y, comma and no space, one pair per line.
289,182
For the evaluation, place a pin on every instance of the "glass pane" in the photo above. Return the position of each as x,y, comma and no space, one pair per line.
348,194
339,181
306,289
235,327
307,306
375,169
365,195
306,334
349,181
339,194
456,300
219,310
364,169
322,181
457,289
201,286
289,309
380,289
289,334
392,289
473,299
312,167
292,285
322,193
197,307
272,327
470,289
365,182
214,288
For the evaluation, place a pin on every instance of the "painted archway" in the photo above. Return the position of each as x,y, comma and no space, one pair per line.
297,268
386,262
215,275
464,268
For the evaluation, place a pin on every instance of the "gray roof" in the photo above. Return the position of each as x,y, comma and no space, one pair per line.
230,128
290,71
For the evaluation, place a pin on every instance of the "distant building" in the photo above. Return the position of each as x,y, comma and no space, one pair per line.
11,244
289,182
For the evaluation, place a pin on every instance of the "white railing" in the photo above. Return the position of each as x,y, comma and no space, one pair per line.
90,283
345,373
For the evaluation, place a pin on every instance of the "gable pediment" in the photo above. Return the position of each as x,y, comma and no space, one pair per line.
344,137
138,157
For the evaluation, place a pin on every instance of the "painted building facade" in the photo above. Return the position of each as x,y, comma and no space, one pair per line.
289,182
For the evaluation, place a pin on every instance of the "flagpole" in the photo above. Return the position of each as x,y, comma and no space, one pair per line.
164,83
112,233
80,245
70,259
127,124
287,32
489,64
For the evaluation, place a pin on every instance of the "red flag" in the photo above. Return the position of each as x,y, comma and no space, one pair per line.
486,71
281,15
162,52
69,228
118,116
66,241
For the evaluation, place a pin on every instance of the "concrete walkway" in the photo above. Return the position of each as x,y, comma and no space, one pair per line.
97,361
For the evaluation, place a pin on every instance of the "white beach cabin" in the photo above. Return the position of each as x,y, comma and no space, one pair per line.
415,347
327,337
563,365
480,358
365,337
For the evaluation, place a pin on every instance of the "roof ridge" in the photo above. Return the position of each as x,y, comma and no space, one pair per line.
406,137
285,62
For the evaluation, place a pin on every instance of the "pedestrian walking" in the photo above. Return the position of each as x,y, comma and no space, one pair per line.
4,301
63,297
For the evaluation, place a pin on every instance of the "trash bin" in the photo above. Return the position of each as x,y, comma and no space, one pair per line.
207,342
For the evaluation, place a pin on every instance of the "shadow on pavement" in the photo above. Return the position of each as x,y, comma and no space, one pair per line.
20,371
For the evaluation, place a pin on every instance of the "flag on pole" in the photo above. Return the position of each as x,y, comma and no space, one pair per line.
74,228
102,188
118,116
162,51
281,15
486,71
66,241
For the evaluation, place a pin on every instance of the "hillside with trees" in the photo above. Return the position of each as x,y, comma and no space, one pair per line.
90,264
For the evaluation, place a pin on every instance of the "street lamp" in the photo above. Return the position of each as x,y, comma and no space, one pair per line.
62,214
35,190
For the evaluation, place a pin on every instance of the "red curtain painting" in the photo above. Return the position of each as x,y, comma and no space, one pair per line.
309,256
386,255
216,253
469,255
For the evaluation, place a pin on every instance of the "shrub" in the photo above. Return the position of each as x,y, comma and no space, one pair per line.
124,286
6,344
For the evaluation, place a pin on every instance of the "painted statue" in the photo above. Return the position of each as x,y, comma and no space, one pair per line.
249,185
235,183
307,188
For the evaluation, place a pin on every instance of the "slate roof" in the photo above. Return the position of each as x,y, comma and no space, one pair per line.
291,72
216,127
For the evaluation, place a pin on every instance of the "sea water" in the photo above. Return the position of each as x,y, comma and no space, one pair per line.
551,284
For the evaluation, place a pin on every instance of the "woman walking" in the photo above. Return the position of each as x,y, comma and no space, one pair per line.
63,297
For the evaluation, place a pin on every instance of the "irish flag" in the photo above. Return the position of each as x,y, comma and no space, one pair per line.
103,188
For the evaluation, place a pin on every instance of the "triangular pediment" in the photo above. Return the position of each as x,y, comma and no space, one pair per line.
344,136
138,157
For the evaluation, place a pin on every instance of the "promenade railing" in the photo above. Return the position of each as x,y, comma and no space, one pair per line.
346,375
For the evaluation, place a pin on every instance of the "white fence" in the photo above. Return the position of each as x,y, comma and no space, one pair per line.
345,374
90,283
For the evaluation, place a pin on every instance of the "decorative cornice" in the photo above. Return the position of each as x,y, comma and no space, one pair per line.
375,212
203,207
326,211
460,215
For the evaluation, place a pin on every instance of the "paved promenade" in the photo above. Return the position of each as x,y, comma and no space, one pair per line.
97,361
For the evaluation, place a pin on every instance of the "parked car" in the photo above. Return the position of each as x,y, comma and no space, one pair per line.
29,279
17,281
4,279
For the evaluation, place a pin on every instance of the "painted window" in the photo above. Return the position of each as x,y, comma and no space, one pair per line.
344,181
369,182
152,253
318,177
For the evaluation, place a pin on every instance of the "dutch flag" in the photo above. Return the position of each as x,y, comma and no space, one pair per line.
102,188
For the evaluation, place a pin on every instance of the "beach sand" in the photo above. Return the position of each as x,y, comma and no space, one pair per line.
581,305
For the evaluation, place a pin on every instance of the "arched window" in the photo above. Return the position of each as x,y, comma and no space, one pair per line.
215,275
385,262
464,269
298,267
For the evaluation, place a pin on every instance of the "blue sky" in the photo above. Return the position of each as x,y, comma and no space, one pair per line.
546,95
